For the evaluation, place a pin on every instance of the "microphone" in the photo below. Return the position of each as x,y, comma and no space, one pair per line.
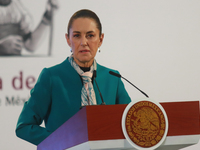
95,75
119,76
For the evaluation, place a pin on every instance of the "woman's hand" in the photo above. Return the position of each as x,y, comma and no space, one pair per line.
11,45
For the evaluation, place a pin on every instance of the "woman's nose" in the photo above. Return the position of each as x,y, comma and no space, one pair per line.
83,41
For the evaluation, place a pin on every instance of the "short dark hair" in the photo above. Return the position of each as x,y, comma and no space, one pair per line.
85,13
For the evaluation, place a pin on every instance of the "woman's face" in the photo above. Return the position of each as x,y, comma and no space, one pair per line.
84,41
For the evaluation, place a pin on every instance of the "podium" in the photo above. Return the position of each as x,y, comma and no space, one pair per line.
98,127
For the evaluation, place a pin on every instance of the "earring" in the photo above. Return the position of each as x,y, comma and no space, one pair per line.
99,50
71,50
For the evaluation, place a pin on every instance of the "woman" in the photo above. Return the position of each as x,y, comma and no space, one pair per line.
62,89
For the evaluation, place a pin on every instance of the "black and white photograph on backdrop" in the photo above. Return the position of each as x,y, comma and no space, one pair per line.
17,32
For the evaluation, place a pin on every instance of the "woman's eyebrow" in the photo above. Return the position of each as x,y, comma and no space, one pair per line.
76,32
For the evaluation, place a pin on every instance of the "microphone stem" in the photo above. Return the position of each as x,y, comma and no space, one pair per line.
103,103
135,87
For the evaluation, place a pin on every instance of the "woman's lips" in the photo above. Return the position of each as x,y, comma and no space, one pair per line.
84,51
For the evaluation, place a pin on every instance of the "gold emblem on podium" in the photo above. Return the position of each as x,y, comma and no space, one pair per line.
145,124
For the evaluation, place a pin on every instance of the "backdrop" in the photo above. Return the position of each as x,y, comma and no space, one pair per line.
154,44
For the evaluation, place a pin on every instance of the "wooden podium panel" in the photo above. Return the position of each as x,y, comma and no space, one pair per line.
99,127
183,117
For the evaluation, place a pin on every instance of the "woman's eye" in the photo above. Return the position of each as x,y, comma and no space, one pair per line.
76,35
90,35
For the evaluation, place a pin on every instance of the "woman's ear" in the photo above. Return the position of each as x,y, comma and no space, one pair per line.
101,39
68,40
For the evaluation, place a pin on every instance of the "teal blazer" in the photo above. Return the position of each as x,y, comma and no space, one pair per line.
56,97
